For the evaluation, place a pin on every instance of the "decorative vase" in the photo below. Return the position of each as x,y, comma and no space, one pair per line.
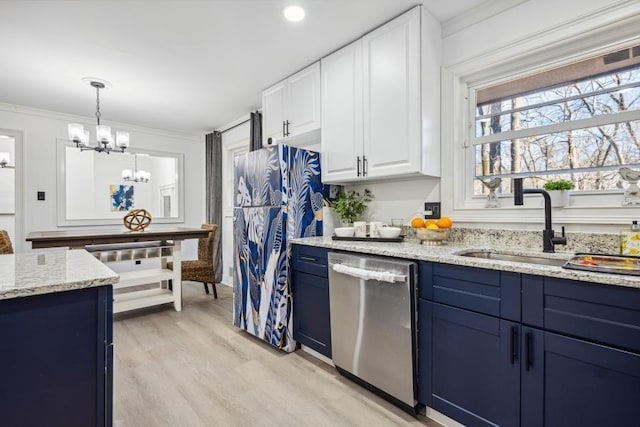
559,198
329,221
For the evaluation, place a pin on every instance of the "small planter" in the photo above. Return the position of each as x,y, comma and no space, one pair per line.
559,198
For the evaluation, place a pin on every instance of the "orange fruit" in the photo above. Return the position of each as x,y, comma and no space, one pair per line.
417,222
429,221
444,222
433,227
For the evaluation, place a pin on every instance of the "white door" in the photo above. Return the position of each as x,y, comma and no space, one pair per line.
342,114
273,112
234,143
391,69
303,104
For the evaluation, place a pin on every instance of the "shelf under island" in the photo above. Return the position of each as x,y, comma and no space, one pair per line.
56,327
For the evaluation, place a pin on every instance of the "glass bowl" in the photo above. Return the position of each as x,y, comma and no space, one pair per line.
432,237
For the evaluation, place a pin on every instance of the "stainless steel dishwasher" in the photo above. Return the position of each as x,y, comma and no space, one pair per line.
373,323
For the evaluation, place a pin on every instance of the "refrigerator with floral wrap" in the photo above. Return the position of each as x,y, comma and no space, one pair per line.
278,197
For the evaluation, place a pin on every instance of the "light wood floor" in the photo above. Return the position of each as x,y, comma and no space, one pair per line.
194,368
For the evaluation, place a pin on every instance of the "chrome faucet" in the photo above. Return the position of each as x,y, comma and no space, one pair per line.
549,239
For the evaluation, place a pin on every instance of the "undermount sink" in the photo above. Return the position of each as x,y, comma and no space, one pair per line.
501,256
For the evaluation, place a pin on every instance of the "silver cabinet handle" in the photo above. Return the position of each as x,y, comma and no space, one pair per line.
308,258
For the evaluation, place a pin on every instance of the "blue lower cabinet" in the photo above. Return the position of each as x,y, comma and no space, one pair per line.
311,316
56,359
469,365
571,382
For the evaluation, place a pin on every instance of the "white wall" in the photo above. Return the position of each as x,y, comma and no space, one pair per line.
235,140
41,128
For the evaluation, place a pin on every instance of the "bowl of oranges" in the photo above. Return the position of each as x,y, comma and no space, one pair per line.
432,231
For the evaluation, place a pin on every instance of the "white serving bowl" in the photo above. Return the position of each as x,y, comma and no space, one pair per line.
344,231
389,232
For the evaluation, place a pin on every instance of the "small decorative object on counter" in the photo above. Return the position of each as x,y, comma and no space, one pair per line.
558,190
492,185
137,219
360,228
350,205
374,227
632,193
630,240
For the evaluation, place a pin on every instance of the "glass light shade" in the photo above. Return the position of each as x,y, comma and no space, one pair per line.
76,132
122,139
5,158
103,134
84,140
127,174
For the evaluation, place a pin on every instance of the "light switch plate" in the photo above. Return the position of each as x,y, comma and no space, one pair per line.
432,210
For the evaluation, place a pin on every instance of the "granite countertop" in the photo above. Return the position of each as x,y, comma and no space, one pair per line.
449,253
36,273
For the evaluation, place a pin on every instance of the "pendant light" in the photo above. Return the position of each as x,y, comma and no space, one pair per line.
105,140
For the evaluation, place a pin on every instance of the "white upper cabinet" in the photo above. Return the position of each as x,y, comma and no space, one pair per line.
380,103
273,103
391,104
291,107
342,142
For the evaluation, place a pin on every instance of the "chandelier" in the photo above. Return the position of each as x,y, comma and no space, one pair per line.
136,175
106,142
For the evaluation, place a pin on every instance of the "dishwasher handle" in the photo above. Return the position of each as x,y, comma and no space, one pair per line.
361,273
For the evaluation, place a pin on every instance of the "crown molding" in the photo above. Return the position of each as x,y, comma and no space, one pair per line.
31,111
477,14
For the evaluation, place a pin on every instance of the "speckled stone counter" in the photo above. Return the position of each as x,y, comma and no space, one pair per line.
36,273
449,253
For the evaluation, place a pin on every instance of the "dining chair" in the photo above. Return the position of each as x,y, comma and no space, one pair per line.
5,243
204,268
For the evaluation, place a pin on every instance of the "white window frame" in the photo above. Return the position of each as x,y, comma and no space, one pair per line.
554,48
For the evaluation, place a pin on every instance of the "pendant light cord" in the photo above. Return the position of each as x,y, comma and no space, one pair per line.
98,104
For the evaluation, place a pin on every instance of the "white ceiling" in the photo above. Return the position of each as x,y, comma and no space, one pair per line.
188,66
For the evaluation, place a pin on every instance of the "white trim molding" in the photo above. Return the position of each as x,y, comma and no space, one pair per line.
21,109
587,35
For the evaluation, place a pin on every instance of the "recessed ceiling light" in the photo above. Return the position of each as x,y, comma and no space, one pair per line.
293,13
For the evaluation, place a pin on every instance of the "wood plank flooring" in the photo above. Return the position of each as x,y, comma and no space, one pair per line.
194,368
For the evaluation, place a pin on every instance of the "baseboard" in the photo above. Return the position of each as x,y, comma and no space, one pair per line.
225,284
441,418
317,355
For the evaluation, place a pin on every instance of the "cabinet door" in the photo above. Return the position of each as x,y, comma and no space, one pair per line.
342,114
391,64
311,317
469,365
303,103
570,382
273,112
55,361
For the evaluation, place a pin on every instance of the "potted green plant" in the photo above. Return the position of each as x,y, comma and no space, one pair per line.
350,205
558,190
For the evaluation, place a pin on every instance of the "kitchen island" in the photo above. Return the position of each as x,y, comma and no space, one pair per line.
57,344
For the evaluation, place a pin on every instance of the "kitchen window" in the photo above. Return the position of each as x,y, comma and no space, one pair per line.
579,122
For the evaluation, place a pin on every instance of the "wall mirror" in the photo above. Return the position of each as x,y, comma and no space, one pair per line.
99,189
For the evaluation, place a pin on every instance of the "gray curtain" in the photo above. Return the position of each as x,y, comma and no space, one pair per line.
213,158
255,138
